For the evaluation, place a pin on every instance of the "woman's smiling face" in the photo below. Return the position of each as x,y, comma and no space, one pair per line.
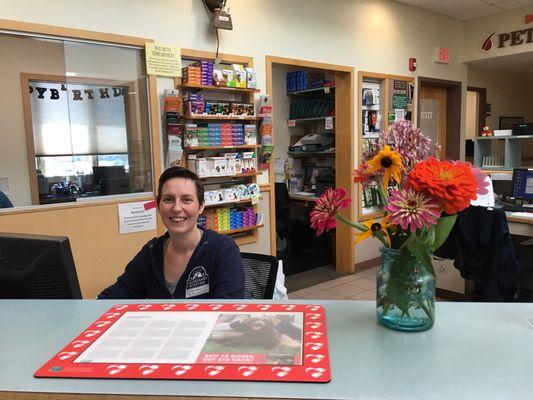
179,207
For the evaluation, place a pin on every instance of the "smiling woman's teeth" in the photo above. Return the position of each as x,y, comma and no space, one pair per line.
178,219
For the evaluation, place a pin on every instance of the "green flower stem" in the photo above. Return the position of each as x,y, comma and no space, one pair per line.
427,309
355,225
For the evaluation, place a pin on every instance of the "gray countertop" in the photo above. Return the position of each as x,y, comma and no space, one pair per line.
474,351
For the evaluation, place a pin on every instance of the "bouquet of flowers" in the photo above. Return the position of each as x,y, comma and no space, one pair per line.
422,196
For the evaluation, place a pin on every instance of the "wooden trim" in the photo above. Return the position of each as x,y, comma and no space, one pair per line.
86,396
191,54
481,107
156,138
453,112
384,79
73,204
344,164
30,145
368,264
272,194
313,65
265,188
344,157
67,33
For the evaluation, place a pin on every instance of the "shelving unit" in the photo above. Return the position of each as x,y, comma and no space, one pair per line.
194,87
317,106
221,117
488,158
243,146
380,95
222,94
297,154
328,89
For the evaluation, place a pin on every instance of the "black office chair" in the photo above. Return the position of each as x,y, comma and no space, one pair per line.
283,215
260,271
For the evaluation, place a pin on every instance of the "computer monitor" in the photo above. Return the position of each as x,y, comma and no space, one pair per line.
37,267
522,186
107,172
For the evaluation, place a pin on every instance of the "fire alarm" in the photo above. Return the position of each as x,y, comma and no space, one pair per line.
412,64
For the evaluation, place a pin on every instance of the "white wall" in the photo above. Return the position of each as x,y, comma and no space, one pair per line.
371,35
25,55
478,29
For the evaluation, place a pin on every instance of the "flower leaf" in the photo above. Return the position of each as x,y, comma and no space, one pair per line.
420,251
430,238
443,229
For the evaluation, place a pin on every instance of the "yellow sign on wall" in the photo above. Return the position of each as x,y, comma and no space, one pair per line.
163,60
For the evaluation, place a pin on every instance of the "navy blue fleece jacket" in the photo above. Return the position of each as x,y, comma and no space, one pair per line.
214,272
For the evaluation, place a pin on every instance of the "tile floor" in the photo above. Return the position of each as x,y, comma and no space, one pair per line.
359,286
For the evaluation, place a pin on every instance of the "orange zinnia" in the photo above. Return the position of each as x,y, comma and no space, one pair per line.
454,184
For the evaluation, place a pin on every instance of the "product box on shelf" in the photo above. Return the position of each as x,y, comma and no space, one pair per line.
251,80
175,151
218,78
250,134
239,75
228,76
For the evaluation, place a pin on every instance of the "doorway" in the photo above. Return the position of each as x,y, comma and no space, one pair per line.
343,116
476,99
439,102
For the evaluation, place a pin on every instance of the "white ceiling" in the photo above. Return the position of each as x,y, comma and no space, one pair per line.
467,9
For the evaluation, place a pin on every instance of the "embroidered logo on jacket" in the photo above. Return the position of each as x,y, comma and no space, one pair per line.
197,282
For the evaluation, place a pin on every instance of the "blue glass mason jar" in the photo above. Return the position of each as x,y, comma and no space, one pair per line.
405,298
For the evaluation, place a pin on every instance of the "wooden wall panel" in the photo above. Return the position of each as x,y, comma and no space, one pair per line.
100,253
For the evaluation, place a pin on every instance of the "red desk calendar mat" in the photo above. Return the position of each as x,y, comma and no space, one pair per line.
201,341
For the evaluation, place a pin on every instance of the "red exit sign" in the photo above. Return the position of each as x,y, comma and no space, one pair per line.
442,55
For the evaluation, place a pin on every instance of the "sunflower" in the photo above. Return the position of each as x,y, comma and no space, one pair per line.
375,229
390,161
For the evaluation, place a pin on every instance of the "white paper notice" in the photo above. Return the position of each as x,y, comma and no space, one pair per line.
135,217
399,115
485,200
328,123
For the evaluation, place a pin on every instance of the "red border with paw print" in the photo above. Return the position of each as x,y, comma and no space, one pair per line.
315,356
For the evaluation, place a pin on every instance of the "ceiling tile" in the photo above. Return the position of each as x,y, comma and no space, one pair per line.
417,3
475,12
513,4
453,6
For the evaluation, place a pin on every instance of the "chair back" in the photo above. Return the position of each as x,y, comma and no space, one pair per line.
260,271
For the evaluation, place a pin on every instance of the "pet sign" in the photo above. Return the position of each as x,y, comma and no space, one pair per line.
163,60
199,341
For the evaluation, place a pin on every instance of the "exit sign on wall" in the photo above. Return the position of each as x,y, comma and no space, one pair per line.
442,55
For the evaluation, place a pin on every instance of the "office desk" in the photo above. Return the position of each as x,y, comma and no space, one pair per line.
474,351
306,199
520,224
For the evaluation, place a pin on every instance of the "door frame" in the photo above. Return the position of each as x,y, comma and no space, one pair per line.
453,112
481,106
344,155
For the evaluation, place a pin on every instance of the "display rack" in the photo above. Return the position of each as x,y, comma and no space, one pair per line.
380,96
224,95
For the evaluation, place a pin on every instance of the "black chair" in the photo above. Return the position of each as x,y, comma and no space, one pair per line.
283,214
260,271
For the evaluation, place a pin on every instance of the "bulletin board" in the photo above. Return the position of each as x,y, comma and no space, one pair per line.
199,341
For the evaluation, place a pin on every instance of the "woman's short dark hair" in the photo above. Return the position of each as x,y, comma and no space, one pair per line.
184,173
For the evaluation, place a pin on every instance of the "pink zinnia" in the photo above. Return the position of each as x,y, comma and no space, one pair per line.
326,208
412,210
